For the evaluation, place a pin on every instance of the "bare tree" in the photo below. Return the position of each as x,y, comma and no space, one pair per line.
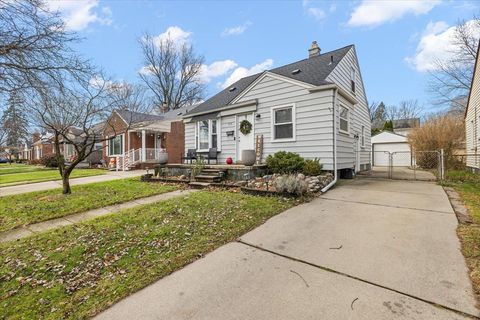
406,109
77,112
171,72
451,78
34,45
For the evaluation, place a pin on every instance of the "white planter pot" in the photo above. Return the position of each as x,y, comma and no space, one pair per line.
248,157
163,158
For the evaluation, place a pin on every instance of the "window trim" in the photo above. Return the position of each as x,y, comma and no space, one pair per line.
210,140
340,118
362,138
122,145
294,123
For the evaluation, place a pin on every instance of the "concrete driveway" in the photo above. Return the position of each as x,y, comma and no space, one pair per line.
400,173
368,249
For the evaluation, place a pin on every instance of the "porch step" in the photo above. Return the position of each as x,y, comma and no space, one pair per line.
199,185
207,178
211,170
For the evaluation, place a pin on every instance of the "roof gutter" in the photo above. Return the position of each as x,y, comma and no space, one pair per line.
335,174
349,97
231,106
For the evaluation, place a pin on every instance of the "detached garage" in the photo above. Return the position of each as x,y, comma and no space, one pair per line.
388,143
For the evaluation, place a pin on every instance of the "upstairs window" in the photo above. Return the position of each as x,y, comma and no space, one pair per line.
344,119
283,123
352,79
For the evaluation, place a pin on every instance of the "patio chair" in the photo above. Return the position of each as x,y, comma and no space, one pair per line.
191,155
212,155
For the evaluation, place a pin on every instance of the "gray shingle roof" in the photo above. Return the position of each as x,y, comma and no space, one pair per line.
312,70
135,117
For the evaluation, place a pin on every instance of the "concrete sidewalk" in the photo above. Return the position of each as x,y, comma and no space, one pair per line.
369,249
47,185
25,231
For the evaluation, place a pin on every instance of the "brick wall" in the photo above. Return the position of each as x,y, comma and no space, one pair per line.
175,142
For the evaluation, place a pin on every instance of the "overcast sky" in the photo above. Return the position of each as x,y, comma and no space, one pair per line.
396,41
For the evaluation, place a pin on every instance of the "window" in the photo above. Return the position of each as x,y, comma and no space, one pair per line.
203,135
206,133
362,141
283,123
344,123
115,146
214,133
69,150
352,79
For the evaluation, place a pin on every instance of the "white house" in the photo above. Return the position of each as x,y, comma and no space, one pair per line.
472,119
292,107
386,143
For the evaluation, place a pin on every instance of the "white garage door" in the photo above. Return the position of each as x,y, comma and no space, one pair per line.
401,154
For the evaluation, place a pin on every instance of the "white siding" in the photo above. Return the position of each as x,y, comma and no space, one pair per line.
313,115
228,143
472,121
189,136
359,115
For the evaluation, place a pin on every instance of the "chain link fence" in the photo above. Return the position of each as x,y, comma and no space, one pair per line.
405,165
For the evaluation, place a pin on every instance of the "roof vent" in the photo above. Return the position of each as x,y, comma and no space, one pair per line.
296,71
232,89
331,59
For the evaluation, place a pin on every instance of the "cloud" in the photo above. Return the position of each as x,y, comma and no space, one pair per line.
315,12
174,33
79,14
241,72
373,13
215,69
436,43
234,31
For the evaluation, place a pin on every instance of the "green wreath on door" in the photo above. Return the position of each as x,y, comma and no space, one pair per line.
245,127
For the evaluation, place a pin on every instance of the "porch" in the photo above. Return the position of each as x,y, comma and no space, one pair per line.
230,172
138,149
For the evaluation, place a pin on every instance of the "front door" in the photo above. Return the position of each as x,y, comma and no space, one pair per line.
244,141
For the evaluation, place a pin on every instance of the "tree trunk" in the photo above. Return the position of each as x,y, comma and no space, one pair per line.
66,183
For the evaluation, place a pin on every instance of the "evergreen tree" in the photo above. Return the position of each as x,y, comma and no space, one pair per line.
14,122
388,126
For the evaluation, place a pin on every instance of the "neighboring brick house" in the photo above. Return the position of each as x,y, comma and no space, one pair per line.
42,145
135,139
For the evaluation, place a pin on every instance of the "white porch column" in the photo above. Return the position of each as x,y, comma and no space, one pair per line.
144,150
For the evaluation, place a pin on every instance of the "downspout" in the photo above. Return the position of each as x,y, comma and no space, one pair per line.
335,174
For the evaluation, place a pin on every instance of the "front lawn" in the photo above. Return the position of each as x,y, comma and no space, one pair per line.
28,208
77,271
43,175
6,168
468,186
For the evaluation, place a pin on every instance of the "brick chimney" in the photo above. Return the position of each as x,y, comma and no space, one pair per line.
314,50
35,137
164,108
